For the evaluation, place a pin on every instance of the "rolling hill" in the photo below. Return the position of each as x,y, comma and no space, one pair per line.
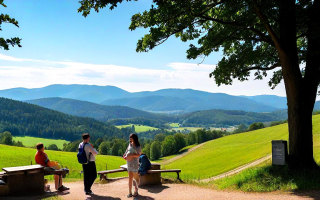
188,100
205,117
21,118
96,111
227,153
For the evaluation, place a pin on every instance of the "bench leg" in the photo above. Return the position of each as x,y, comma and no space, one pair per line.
179,177
102,176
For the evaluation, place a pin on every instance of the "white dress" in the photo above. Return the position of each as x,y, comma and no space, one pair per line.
133,164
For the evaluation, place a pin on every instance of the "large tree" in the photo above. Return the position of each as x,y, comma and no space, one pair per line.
255,35
5,43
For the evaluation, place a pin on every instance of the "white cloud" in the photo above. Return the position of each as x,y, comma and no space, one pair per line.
40,73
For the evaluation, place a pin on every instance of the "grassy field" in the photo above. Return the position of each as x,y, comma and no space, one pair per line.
227,153
32,141
187,147
174,125
18,156
139,128
188,128
267,177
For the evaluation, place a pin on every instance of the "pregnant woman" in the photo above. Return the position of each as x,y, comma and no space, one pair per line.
132,156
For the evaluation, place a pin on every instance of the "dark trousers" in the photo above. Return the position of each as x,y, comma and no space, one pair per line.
89,174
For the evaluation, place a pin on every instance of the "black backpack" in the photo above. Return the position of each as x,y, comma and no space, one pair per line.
82,157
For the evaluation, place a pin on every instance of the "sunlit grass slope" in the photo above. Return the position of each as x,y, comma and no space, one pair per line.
227,153
32,141
139,128
18,156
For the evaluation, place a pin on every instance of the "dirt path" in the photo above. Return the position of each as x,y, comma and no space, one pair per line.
182,155
118,190
239,169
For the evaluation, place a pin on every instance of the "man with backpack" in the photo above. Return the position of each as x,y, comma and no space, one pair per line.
86,156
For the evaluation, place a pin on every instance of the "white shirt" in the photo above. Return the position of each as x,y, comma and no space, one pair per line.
89,149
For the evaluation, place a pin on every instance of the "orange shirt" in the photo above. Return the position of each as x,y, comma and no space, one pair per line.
42,158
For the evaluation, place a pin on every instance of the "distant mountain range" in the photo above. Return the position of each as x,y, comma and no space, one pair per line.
203,118
165,100
93,110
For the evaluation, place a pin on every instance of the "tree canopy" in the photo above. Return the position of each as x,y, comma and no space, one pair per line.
5,43
247,31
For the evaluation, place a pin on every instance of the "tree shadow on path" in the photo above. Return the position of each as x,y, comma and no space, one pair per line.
154,188
94,196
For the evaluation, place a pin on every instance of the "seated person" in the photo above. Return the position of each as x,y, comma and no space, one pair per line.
42,159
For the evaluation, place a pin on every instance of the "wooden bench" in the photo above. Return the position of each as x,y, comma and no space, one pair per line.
103,173
153,175
22,180
2,174
165,171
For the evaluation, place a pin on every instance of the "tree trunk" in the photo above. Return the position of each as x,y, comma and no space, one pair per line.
301,90
300,107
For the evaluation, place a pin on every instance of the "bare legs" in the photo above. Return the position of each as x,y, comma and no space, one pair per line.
56,181
135,180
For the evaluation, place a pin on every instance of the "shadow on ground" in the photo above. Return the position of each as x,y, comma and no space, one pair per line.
154,188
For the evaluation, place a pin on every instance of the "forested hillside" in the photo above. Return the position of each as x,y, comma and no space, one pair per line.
96,111
21,118
120,115
230,117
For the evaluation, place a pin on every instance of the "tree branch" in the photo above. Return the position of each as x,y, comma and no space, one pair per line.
262,68
264,21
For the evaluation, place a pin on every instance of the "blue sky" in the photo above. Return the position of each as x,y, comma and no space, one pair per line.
60,46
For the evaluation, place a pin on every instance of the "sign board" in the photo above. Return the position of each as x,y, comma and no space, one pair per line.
279,152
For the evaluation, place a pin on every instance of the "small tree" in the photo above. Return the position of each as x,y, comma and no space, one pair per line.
146,150
241,128
159,137
180,141
168,146
256,126
53,147
155,151
104,148
6,138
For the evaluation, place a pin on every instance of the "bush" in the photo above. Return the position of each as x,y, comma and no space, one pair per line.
255,126
53,147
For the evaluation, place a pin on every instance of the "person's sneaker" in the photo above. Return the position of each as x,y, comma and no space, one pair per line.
63,188
89,193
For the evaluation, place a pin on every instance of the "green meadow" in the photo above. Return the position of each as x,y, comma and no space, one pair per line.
227,153
18,156
139,128
174,125
188,128
32,141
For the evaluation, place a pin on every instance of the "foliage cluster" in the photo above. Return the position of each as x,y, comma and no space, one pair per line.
5,43
7,139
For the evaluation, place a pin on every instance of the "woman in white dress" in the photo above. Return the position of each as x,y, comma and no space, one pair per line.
132,156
